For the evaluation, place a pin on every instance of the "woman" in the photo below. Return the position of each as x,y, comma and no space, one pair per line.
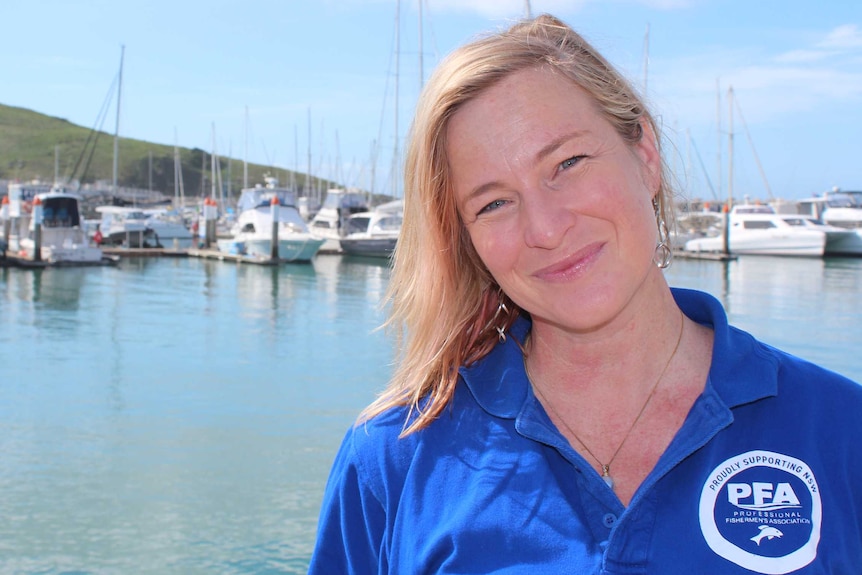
557,407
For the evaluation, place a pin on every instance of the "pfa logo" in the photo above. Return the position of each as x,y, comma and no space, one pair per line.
761,510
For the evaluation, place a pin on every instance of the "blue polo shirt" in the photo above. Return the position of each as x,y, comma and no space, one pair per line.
765,476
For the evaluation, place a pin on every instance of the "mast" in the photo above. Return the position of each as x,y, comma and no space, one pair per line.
730,148
719,169
395,161
117,126
308,172
176,173
646,58
421,59
245,154
212,166
729,204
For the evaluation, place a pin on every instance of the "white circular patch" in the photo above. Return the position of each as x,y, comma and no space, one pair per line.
761,510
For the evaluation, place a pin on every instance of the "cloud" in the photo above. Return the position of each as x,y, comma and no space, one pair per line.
827,72
841,41
846,37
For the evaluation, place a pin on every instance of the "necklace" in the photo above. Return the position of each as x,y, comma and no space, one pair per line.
606,467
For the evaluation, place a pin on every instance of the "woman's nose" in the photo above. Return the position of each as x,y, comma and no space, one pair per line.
544,220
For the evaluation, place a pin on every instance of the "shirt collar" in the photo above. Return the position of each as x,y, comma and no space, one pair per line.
742,371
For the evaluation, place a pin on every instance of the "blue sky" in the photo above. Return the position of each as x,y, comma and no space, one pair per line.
291,67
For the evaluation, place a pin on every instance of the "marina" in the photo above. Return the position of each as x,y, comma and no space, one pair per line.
183,412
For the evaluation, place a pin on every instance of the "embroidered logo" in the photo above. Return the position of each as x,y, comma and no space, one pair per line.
761,510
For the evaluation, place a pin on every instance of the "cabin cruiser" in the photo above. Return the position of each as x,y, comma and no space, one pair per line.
252,234
374,233
840,209
758,229
63,238
330,222
125,226
169,228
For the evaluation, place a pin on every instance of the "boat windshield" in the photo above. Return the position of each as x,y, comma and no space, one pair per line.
842,201
754,210
389,224
357,224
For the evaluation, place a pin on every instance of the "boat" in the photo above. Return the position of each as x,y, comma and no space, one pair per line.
125,226
757,229
839,209
63,238
252,233
169,228
374,233
330,222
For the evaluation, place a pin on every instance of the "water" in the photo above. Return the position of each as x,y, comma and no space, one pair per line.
179,416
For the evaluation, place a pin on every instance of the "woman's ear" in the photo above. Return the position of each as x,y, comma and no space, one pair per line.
647,151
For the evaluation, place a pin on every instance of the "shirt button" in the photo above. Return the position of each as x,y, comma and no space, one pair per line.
609,519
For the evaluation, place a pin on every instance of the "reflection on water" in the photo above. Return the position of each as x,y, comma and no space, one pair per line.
184,414
807,306
179,416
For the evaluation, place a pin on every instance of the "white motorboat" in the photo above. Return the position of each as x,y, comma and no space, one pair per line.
757,229
252,233
63,238
169,228
330,222
125,226
842,210
374,233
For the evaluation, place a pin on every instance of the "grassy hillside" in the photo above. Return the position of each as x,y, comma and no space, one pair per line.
28,141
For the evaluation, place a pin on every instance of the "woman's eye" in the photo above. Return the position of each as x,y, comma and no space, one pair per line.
492,206
566,164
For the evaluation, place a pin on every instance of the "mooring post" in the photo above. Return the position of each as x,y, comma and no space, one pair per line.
37,230
273,205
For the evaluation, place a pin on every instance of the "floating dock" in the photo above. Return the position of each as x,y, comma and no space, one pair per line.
16,261
714,256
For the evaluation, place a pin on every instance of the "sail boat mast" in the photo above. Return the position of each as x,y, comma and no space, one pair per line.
395,162
117,126
421,59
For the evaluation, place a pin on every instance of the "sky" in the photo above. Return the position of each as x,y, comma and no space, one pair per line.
309,85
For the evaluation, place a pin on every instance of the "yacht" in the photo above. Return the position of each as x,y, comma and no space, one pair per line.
373,233
169,228
63,238
330,222
125,226
252,233
840,209
758,229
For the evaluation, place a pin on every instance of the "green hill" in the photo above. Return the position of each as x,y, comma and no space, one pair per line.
29,141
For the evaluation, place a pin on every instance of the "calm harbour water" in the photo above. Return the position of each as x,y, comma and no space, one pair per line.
179,416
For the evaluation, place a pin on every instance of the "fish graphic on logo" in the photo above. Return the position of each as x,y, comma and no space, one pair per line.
766,532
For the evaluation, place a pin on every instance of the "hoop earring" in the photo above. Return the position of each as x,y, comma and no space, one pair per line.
663,254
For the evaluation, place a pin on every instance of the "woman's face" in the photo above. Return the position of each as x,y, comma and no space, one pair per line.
556,204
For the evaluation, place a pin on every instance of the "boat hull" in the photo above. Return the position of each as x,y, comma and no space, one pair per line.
810,244
848,243
292,250
377,247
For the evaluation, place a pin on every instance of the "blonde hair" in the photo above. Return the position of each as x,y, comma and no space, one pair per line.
443,299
